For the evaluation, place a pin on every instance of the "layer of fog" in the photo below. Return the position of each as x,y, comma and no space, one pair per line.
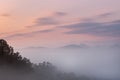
101,62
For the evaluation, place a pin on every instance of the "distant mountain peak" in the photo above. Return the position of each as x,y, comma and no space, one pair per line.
75,46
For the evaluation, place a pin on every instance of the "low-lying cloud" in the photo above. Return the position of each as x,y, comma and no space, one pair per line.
102,62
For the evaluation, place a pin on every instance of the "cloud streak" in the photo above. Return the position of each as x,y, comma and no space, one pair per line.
45,21
104,15
48,20
5,15
59,14
28,33
109,29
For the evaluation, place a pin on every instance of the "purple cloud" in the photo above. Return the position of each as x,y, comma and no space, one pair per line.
49,20
110,29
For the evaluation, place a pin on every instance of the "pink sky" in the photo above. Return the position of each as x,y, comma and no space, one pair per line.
37,23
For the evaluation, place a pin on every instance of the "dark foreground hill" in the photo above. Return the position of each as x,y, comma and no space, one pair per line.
15,67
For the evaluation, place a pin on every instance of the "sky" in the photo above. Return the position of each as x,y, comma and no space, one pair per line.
48,27
53,23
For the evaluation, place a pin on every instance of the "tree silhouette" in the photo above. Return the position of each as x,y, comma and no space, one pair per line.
10,58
